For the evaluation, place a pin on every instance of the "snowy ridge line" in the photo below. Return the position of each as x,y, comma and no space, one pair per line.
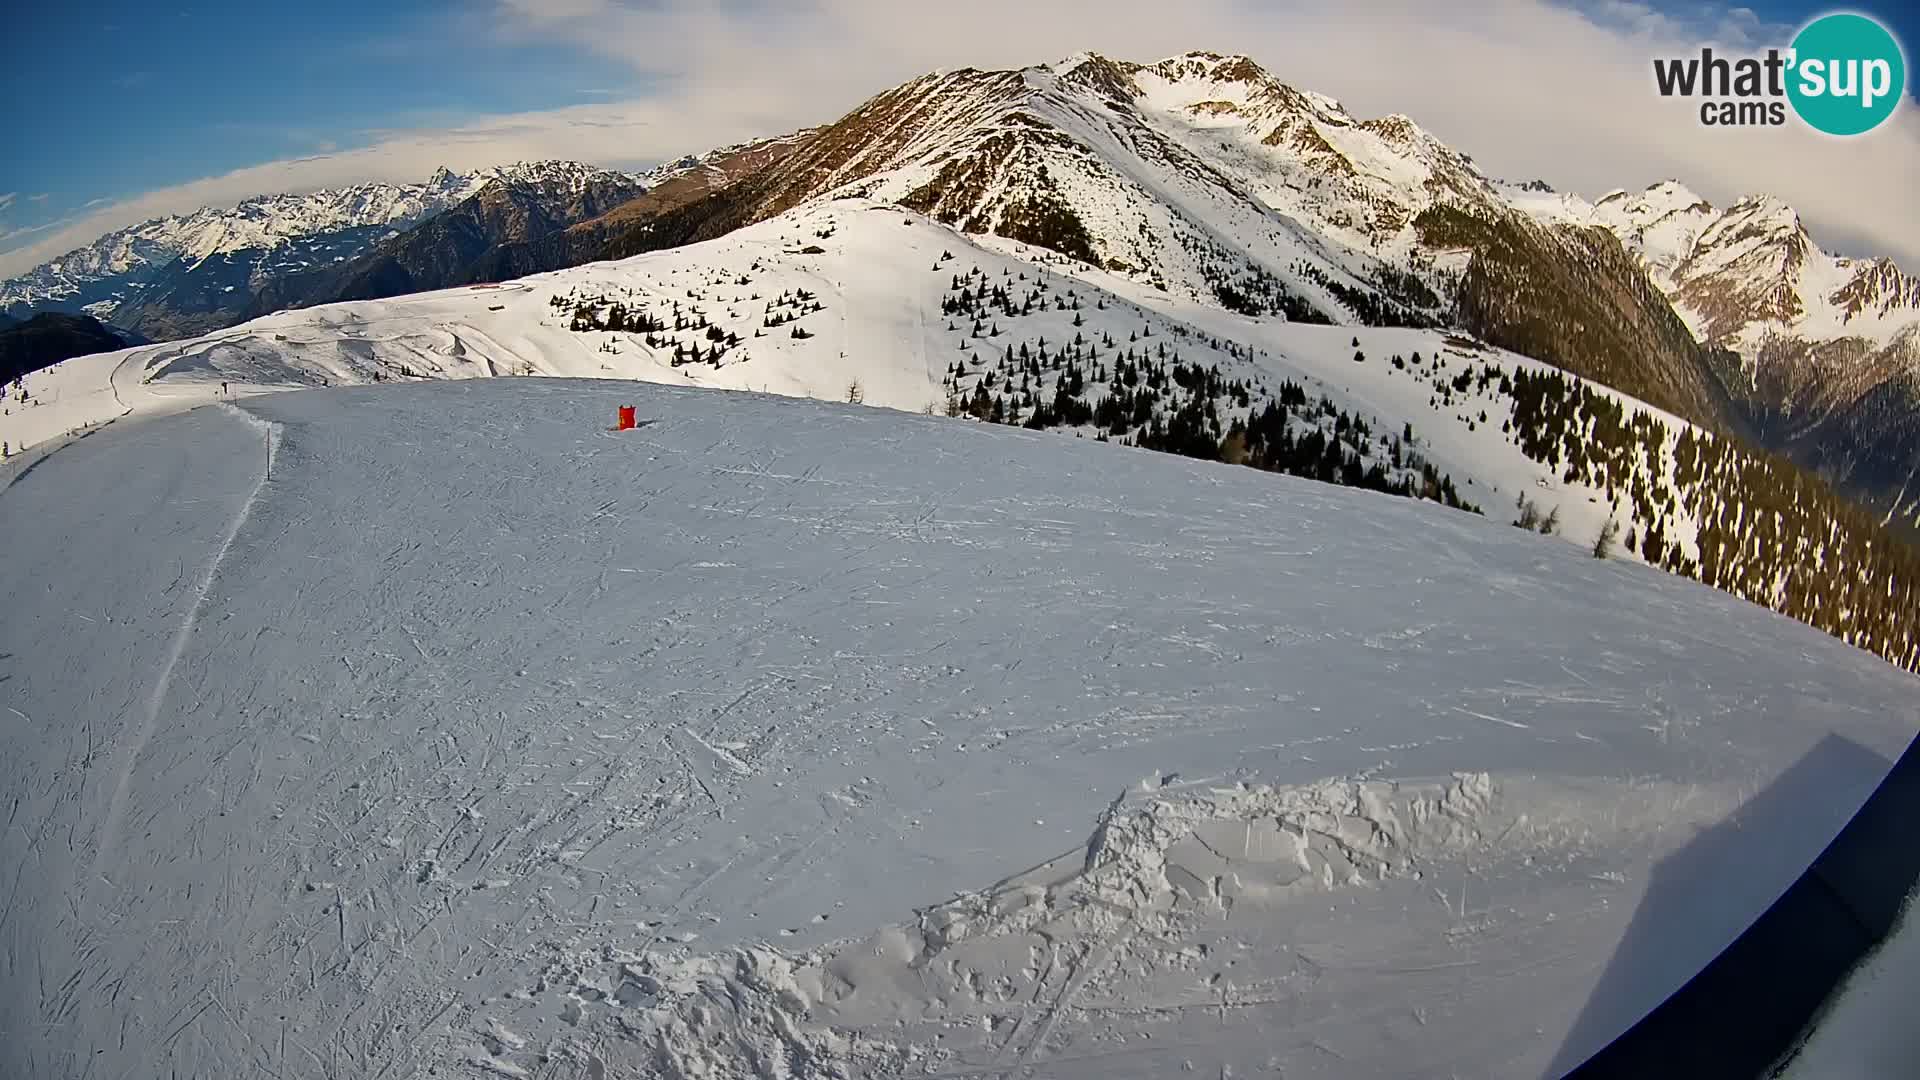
117,804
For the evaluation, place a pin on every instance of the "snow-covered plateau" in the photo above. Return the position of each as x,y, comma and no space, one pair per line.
438,730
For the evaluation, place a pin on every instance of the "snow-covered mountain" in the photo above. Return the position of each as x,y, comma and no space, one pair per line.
1195,174
851,298
1206,178
437,730
1210,179
99,276
1751,271
421,724
261,238
1827,346
457,246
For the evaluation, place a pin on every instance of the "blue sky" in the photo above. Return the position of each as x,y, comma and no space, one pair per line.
124,110
1902,18
142,95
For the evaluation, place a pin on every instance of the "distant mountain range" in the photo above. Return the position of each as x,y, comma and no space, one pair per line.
1201,176
1826,347
186,274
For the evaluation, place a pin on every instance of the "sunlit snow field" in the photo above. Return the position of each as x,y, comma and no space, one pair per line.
439,730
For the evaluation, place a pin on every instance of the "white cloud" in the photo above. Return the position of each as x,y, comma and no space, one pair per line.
7,199
1530,89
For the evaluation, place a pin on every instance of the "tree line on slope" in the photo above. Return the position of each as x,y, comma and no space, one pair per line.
1697,504
706,342
1762,528
1142,392
1693,503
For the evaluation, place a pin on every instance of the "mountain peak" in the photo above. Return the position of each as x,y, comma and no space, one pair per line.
1769,208
1075,60
1673,193
1111,78
1394,128
1215,67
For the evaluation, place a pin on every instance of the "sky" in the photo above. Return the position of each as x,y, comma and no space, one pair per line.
124,111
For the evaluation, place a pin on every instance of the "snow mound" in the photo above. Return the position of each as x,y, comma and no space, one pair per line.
989,975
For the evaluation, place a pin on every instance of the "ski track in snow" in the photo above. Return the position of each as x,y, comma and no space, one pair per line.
489,742
196,601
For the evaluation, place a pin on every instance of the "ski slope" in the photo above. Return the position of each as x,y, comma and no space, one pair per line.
879,275
437,730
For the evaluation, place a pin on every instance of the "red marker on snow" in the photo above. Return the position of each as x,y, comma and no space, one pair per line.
626,419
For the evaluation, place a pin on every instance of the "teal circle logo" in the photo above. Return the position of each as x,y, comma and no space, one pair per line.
1847,74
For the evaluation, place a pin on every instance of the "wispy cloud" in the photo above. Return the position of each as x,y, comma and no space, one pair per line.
1556,91
42,197
10,236
7,200
1728,26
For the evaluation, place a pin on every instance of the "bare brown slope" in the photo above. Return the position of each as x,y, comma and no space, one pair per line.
586,241
860,144
1574,298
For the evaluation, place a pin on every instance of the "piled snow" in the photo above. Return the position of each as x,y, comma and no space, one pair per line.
454,734
990,974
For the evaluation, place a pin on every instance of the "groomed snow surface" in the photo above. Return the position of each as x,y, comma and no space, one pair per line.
437,730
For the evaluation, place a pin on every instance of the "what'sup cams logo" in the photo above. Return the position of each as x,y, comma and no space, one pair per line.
1843,75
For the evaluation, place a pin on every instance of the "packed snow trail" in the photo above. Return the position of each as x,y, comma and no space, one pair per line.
93,621
156,698
783,738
